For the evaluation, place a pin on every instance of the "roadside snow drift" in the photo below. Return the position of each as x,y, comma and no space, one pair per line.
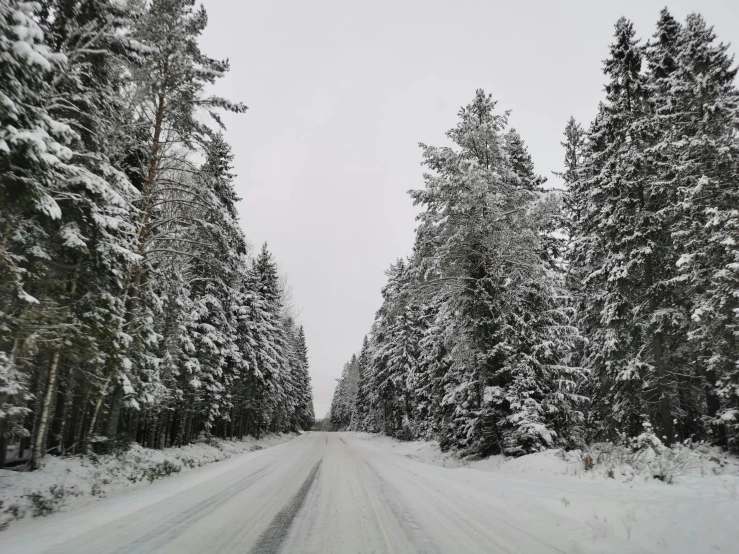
67,483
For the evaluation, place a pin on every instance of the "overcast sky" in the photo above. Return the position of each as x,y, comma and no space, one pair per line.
341,92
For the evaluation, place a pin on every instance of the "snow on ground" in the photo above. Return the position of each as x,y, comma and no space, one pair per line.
683,499
679,465
71,482
347,492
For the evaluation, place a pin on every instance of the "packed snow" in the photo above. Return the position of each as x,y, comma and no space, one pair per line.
67,483
352,492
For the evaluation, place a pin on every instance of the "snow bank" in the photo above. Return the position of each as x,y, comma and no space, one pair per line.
71,482
427,452
679,464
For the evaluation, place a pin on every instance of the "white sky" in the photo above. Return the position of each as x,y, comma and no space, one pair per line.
341,92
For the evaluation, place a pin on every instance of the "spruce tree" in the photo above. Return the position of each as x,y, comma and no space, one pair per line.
480,239
34,158
360,416
704,118
622,229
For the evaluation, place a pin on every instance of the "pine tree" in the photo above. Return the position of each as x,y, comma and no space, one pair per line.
213,276
573,145
129,308
306,415
360,416
668,300
34,157
627,350
345,395
270,355
703,120
88,236
480,239
393,358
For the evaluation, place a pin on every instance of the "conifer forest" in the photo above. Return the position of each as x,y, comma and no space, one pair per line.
132,306
550,366
529,317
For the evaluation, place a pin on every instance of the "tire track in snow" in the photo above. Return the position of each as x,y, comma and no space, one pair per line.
410,527
172,527
462,519
271,539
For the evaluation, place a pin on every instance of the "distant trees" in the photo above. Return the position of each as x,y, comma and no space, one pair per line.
342,407
528,318
130,307
323,424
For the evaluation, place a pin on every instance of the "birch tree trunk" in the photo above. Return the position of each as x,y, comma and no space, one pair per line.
37,448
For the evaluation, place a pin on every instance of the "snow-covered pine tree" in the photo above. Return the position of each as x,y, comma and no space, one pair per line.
251,383
360,417
270,341
391,363
292,374
451,244
95,37
521,164
218,245
34,158
297,374
435,365
668,299
701,126
306,415
336,412
584,257
88,242
573,144
397,373
479,240
345,395
627,348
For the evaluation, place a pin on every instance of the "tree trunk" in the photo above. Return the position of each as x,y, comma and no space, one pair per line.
658,352
146,211
114,413
37,449
662,387
78,430
188,426
3,444
61,409
96,411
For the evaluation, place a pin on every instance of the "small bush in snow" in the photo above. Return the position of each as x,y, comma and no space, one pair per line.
46,504
587,462
161,469
646,455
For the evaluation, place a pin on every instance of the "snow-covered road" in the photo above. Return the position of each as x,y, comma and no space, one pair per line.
336,492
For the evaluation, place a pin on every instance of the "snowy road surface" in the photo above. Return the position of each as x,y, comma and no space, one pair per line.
336,492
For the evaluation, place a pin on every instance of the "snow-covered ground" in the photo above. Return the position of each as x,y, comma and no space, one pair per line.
684,464
346,492
620,503
67,483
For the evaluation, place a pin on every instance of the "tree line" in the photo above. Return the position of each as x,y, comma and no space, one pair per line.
131,306
527,317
